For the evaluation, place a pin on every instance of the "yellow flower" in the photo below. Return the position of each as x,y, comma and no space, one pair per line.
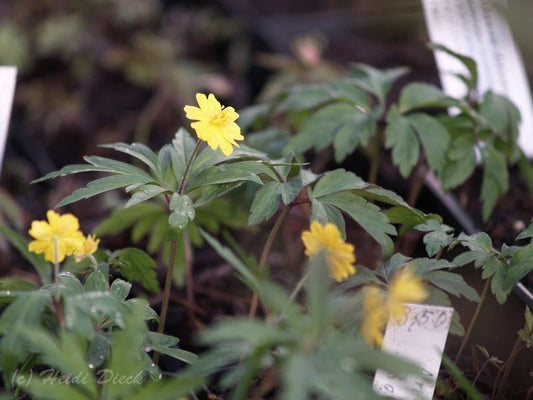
340,256
57,238
375,316
215,124
90,245
405,287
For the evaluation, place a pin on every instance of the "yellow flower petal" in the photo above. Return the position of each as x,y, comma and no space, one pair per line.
340,256
214,123
375,316
405,287
56,238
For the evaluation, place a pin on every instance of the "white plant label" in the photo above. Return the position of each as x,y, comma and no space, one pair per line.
476,29
8,77
419,337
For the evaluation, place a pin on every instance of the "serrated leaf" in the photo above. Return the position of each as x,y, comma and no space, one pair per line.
434,138
265,203
289,190
366,214
468,62
337,181
437,237
452,283
136,266
418,95
521,264
311,95
325,213
402,139
374,81
320,130
495,179
102,185
349,136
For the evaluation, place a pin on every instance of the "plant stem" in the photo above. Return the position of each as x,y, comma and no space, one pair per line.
298,287
172,259
375,153
266,250
183,182
473,320
419,179
503,374
166,293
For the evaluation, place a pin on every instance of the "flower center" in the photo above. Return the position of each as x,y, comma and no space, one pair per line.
219,119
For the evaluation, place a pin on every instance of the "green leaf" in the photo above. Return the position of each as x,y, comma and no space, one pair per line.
366,214
337,181
325,213
38,262
308,96
401,137
97,279
525,234
418,95
452,283
317,291
182,148
136,266
139,151
213,192
124,218
126,345
434,138
144,192
521,265
165,344
495,179
170,389
349,136
460,161
472,80
63,353
320,130
374,81
265,203
97,164
437,237
182,212
98,351
102,185
289,190
231,172
120,289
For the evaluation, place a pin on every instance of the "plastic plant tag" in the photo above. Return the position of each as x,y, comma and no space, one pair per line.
7,88
420,337
476,28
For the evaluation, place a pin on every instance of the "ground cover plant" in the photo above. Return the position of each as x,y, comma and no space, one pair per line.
80,332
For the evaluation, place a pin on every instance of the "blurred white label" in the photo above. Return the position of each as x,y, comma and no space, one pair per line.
476,29
8,77
419,337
